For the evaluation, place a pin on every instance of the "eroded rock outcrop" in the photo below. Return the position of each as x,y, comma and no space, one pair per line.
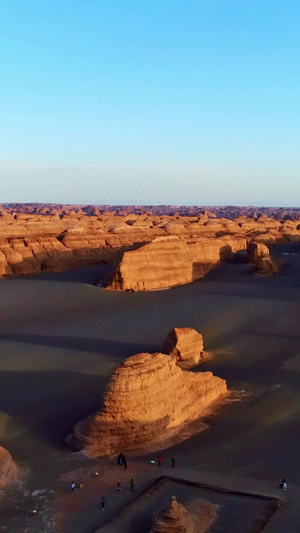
174,518
170,261
35,238
147,400
259,255
256,250
9,472
186,344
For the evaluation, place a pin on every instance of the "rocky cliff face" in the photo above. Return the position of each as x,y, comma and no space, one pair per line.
9,472
174,518
148,399
170,261
186,344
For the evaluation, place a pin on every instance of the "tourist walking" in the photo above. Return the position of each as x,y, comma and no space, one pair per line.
282,484
73,485
131,483
118,486
125,464
173,462
159,460
102,503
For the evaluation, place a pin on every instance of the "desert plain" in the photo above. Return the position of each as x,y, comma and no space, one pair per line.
61,336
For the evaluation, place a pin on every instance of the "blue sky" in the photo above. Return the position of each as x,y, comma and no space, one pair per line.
150,102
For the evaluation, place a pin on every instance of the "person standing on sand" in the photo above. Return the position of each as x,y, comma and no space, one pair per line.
120,459
131,483
73,485
173,462
118,486
159,459
103,503
125,464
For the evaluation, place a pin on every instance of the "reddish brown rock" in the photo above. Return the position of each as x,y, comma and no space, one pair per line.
148,399
174,518
9,472
259,255
256,250
170,261
186,344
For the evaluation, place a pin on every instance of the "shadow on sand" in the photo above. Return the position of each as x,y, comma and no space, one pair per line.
101,346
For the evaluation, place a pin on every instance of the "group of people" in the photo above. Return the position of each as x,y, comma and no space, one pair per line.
122,461
131,485
159,461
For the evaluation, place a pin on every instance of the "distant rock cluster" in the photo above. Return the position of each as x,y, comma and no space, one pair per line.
176,249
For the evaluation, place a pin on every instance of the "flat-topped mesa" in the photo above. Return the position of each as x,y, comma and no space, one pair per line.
147,400
9,472
186,344
170,261
259,255
174,518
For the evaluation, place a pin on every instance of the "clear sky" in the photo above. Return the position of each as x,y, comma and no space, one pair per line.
150,101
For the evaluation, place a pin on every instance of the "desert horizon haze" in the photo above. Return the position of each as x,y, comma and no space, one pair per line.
150,102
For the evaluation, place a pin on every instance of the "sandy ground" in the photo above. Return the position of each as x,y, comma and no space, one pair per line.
234,513
60,339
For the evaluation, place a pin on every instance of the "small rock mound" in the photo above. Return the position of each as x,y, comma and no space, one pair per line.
256,250
147,400
9,472
174,518
187,345
259,255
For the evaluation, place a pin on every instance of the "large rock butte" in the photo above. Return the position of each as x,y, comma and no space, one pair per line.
186,344
170,261
147,400
174,518
9,472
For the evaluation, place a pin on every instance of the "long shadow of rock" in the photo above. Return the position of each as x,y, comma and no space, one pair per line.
48,404
101,346
91,275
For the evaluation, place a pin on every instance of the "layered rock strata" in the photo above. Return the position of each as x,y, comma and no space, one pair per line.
148,399
170,261
9,472
174,518
186,344
57,238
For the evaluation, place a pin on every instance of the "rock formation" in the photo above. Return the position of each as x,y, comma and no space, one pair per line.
256,250
170,261
174,518
35,238
9,472
259,255
148,399
187,346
